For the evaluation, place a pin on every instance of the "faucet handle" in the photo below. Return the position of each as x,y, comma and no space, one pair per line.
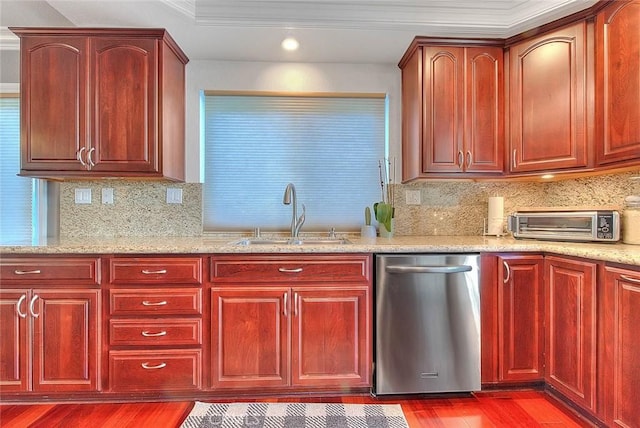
300,221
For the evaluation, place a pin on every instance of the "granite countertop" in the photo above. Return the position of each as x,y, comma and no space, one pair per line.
619,253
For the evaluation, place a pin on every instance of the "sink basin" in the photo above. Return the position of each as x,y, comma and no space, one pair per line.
295,241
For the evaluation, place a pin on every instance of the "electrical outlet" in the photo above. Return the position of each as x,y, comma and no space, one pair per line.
107,195
174,195
83,196
412,197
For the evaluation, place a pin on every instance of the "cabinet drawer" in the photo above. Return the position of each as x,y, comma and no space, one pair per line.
54,270
167,301
155,270
172,332
316,268
177,369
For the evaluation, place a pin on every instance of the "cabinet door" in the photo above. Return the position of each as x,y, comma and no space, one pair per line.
249,337
14,341
443,83
520,307
484,123
124,104
618,83
53,100
570,307
65,340
548,101
330,341
621,360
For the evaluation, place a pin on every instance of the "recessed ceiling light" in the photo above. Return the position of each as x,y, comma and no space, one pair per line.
547,176
290,44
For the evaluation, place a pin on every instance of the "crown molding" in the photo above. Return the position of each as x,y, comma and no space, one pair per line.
8,40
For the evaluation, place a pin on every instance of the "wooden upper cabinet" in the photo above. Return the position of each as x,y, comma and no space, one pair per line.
618,84
101,103
123,102
53,95
452,99
484,112
548,102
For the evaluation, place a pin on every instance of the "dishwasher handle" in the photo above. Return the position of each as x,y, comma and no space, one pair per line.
428,269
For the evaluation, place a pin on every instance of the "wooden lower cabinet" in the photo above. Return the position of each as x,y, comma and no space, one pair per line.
250,336
520,318
570,333
621,345
330,341
49,340
278,337
289,331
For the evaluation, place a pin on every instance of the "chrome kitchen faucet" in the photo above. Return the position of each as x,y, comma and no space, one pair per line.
291,199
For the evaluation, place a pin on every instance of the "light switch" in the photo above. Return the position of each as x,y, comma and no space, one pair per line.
83,196
412,197
174,195
107,195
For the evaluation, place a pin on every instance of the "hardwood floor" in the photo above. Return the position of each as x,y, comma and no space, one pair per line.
486,409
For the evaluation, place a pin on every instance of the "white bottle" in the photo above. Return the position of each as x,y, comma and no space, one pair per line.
631,220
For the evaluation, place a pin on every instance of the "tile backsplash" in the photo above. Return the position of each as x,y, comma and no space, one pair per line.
459,208
139,208
447,207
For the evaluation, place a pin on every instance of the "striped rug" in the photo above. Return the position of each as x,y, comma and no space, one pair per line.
295,415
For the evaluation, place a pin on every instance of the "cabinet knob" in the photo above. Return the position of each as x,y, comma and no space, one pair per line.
460,159
468,158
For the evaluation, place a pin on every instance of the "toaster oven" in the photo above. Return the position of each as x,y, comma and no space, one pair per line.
570,225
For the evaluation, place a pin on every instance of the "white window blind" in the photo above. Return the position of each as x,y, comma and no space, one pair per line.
327,146
16,193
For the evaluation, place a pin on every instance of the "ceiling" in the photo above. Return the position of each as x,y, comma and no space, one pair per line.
360,31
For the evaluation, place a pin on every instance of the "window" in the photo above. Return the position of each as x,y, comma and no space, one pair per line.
327,146
17,194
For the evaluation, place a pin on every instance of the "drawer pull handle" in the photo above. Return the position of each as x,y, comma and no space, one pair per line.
285,270
154,272
630,279
146,366
27,272
21,314
148,303
158,334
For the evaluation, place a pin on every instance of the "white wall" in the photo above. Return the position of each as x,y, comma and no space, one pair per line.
287,77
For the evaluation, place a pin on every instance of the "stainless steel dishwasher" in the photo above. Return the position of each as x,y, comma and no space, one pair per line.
427,328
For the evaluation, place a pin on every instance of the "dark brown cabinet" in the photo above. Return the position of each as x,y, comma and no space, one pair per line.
617,91
548,102
304,322
571,315
49,320
101,103
453,106
520,318
621,341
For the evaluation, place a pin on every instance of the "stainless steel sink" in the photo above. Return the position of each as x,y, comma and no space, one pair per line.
295,241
